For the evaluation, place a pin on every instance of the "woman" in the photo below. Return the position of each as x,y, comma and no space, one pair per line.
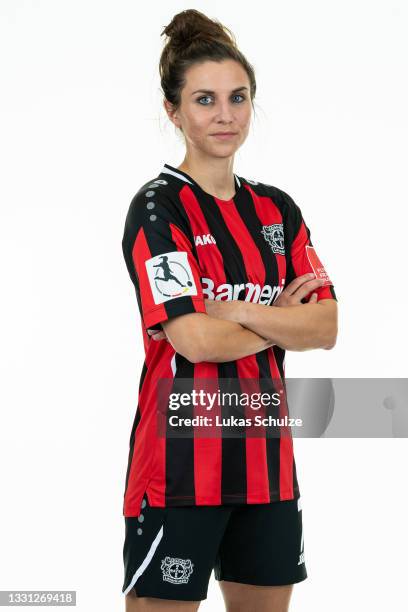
226,280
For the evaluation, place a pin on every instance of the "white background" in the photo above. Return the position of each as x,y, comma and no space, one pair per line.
82,128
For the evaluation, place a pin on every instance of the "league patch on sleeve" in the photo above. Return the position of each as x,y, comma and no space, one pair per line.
170,276
317,266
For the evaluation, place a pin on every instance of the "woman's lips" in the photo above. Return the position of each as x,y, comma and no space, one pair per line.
224,136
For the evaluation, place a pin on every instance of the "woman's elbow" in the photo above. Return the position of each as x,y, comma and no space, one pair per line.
330,340
189,349
187,335
198,350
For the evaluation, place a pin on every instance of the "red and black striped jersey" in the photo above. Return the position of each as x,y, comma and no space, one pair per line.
182,246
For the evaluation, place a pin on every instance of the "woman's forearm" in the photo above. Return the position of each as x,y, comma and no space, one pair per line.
227,341
296,328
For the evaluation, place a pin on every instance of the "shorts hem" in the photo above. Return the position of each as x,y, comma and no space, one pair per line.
263,583
150,593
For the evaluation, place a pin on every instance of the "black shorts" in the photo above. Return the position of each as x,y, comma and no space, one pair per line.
170,552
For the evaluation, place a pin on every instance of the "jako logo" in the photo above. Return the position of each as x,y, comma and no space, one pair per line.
255,293
204,239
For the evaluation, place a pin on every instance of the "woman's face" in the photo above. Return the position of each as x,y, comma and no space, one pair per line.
216,98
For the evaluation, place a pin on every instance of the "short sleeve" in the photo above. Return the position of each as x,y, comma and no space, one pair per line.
304,257
160,260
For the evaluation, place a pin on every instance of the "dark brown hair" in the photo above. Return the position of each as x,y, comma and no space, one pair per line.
192,38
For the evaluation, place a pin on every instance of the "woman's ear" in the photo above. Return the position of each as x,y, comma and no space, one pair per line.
171,113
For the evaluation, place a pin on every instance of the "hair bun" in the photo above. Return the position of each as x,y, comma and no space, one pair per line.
190,26
185,35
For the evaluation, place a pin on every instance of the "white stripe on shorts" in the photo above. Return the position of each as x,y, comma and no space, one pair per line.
146,560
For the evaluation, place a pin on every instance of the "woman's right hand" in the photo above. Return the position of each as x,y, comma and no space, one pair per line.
299,288
157,334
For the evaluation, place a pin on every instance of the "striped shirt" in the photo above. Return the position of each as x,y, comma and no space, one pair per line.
182,246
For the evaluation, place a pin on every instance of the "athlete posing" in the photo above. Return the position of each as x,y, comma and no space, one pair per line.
226,279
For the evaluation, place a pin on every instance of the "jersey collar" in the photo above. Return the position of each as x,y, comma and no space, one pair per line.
183,176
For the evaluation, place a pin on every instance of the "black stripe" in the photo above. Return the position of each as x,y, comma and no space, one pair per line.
279,357
180,450
159,241
296,490
272,443
254,225
134,427
234,478
247,211
333,292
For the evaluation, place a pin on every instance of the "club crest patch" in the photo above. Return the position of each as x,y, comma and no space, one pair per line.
273,234
170,276
176,570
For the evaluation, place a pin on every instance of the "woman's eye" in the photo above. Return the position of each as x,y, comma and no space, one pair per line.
203,98
199,100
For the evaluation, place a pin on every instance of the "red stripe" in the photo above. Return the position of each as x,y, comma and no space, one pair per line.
247,367
208,260
147,470
269,214
207,450
140,254
146,341
207,440
183,244
285,439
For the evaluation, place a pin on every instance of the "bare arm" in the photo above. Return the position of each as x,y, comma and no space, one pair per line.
200,337
237,328
295,328
289,323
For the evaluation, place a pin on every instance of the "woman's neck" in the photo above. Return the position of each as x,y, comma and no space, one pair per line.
216,179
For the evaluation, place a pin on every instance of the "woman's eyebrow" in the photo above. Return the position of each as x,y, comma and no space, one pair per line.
209,91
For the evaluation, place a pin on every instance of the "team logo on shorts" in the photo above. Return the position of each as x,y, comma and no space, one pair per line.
175,570
273,234
170,276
